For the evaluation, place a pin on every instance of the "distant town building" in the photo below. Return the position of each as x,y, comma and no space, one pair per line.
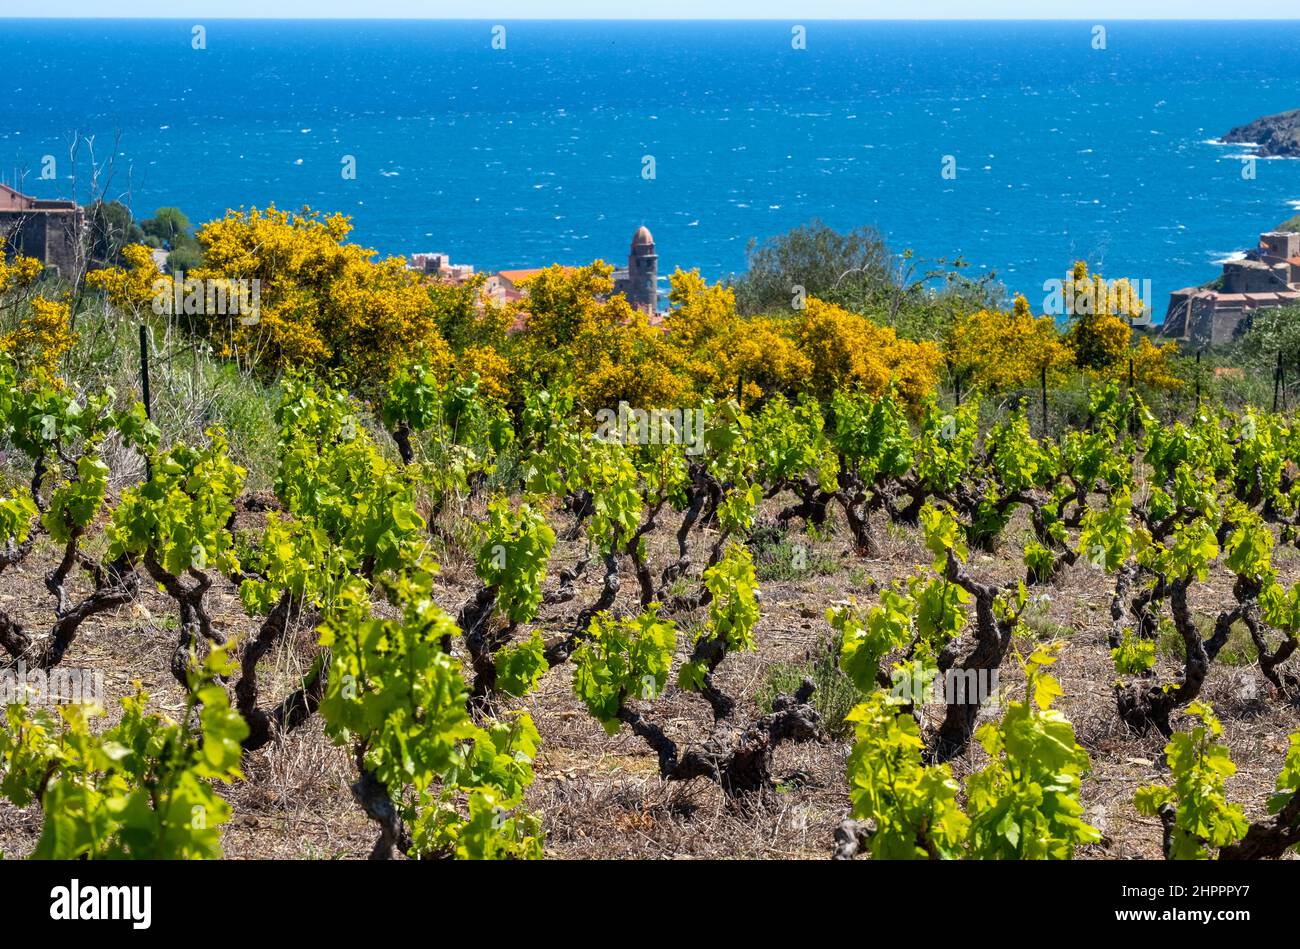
50,231
440,266
640,281
504,286
1268,278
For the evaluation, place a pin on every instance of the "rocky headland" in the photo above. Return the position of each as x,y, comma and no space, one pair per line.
1274,134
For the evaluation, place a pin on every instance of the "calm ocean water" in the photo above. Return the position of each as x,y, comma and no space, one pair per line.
534,154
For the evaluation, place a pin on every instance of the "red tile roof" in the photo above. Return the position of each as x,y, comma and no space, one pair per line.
516,276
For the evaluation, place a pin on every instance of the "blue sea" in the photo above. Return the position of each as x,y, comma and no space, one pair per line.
534,153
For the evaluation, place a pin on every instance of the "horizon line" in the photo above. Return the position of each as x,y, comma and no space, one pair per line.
666,19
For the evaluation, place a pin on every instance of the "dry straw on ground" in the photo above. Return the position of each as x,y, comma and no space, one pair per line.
602,797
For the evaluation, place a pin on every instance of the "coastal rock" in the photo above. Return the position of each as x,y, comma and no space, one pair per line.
1274,134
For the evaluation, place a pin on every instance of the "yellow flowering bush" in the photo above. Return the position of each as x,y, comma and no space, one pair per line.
131,288
724,355
767,359
1100,311
1152,365
324,303
848,351
999,351
36,331
19,273
493,371
467,316
576,335
40,339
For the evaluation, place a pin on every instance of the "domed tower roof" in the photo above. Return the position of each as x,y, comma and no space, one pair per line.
643,237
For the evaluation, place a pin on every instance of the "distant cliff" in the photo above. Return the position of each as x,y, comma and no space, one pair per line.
1274,134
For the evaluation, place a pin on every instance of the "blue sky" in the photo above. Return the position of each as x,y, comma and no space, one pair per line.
795,10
